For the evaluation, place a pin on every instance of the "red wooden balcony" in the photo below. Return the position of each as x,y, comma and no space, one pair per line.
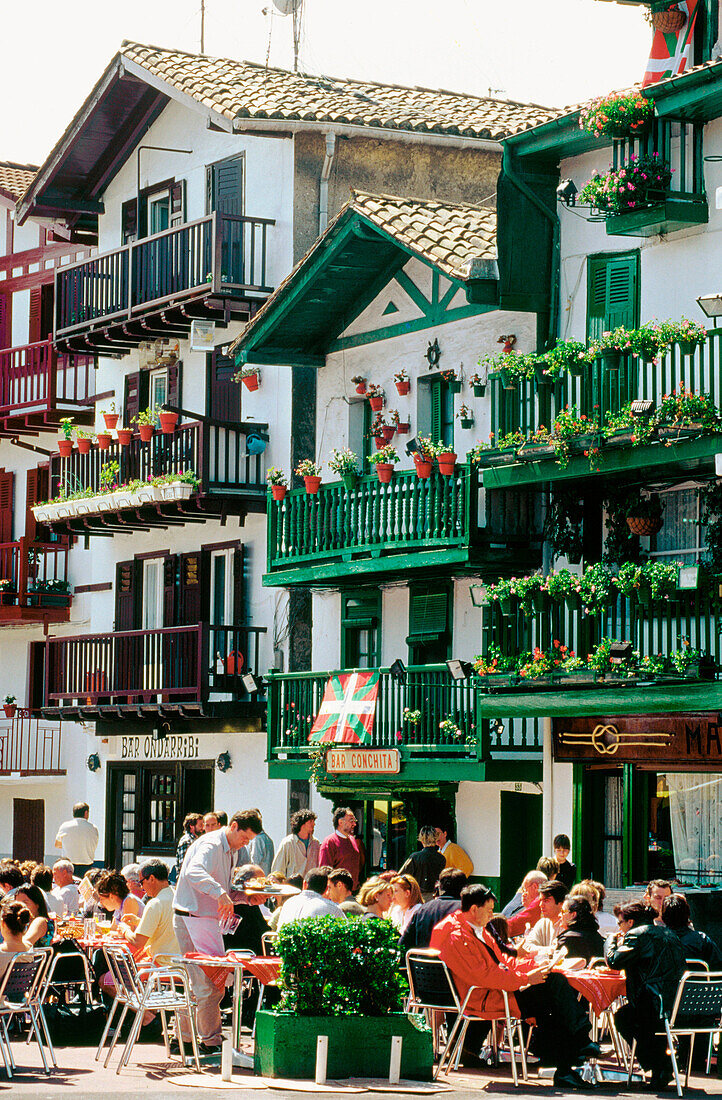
213,268
38,387
29,746
34,582
176,671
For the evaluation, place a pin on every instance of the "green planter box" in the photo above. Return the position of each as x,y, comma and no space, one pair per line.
358,1046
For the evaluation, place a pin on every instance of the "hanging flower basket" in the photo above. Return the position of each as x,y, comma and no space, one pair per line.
111,420
104,440
645,526
376,403
668,22
278,492
611,358
509,381
10,709
384,471
65,446
479,390
124,436
389,431
312,483
251,381
168,421
687,347
446,462
403,387
84,442
467,422
506,606
423,468
350,481
146,432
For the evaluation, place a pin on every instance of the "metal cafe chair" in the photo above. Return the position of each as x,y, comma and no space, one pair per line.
605,1022
68,970
268,942
697,1010
432,990
20,990
164,989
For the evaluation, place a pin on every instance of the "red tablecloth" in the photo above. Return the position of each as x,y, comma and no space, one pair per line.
215,967
266,968
601,986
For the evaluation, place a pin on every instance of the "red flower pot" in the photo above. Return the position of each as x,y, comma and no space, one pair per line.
379,441
403,427
384,471
124,436
65,446
10,709
389,431
376,403
278,492
423,468
447,462
146,432
403,387
168,421
251,382
104,441
84,445
361,388
312,484
111,420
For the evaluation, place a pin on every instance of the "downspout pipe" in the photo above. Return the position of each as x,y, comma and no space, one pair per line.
325,176
551,216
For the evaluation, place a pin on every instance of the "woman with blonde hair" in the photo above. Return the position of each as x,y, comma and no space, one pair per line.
407,899
376,896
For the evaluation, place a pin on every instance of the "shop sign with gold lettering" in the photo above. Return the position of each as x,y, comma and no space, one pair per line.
176,746
363,761
689,740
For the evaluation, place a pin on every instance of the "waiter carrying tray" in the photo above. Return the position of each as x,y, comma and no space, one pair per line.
204,899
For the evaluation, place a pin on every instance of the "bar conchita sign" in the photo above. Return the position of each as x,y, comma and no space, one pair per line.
363,761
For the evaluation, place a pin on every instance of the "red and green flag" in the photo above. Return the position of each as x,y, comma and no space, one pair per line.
347,710
670,52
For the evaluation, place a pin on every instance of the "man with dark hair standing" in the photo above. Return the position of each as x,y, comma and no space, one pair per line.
193,827
418,931
203,901
342,848
78,839
299,851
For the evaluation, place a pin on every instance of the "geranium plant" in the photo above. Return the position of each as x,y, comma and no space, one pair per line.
343,461
682,407
385,456
641,429
308,468
568,424
640,182
426,449
617,114
649,341
274,476
569,355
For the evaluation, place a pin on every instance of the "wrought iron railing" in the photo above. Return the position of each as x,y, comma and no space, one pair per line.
29,746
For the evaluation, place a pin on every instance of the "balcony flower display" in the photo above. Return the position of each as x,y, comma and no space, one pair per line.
570,355
595,589
540,444
384,461
344,462
111,417
559,658
446,458
511,368
682,412
278,482
653,580
9,706
83,440
401,426
616,115
687,334
649,341
641,182
403,385
600,660
548,367
146,421
623,427
168,421
310,471
612,345
424,457
571,425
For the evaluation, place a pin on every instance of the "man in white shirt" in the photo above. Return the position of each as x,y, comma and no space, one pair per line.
547,928
78,839
310,902
65,889
298,852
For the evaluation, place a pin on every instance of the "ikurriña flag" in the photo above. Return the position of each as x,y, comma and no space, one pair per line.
347,710
670,51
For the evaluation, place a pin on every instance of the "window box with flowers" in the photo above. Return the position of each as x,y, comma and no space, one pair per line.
573,433
538,446
642,181
499,451
685,415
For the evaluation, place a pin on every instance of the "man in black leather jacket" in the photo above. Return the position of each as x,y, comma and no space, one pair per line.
652,959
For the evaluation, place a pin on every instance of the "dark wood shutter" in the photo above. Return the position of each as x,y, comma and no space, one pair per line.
228,186
29,828
37,490
136,395
36,308
436,409
175,372
224,395
428,616
127,595
170,569
129,220
6,505
36,676
239,588
5,320
178,203
189,589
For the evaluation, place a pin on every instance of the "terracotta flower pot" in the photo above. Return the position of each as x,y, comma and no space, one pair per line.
384,470
376,403
124,436
403,387
65,446
168,421
278,492
10,709
312,484
111,420
389,431
379,441
251,381
446,462
146,432
645,526
403,427
423,468
84,444
361,388
104,441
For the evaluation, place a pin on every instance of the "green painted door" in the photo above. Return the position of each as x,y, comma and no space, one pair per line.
521,844
612,300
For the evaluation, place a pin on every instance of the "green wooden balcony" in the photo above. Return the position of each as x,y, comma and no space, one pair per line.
596,393
343,534
429,752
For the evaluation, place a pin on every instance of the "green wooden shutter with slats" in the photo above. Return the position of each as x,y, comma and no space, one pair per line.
436,409
428,617
612,292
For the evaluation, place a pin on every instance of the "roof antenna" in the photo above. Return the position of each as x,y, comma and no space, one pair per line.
294,8
203,26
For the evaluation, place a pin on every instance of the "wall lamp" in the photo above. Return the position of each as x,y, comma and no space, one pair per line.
93,762
710,304
223,762
398,671
567,192
460,670
478,595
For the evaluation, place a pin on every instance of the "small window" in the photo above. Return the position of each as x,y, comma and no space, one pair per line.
429,634
683,537
361,630
153,593
158,388
222,587
159,212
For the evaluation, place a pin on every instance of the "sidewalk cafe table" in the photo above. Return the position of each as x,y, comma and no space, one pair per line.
217,969
601,987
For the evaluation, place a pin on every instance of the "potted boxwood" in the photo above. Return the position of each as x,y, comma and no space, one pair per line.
10,706
359,382
310,471
424,457
146,424
376,397
345,463
278,482
65,444
168,421
466,416
403,384
384,461
111,417
644,518
340,978
249,376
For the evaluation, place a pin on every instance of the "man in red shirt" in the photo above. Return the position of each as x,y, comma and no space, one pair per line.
342,848
530,912
561,1034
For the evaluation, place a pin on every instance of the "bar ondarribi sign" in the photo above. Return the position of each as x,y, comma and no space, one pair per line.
689,740
363,761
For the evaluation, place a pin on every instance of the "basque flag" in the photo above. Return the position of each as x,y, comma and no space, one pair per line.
348,708
670,52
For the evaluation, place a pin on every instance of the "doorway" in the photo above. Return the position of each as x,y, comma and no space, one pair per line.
29,829
520,839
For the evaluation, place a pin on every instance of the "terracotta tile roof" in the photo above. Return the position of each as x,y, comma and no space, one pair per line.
244,89
16,178
446,234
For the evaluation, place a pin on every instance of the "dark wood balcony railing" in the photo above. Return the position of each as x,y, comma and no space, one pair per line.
410,515
29,746
34,379
169,665
216,453
33,581
221,253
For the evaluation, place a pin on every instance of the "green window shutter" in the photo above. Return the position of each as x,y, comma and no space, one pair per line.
436,409
428,616
612,292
